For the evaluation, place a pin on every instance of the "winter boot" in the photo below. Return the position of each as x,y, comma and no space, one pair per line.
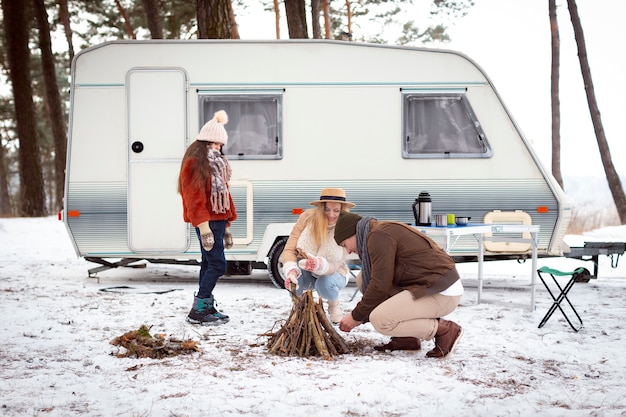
203,312
448,335
334,311
400,343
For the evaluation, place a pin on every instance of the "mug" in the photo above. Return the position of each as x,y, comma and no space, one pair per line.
441,220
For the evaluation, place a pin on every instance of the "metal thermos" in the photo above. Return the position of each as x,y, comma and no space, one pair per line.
422,209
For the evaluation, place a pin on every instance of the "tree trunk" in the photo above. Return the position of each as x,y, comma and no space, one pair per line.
129,28
296,19
64,17
315,19
54,104
233,22
16,30
5,197
349,16
151,9
277,18
214,20
615,184
554,94
328,34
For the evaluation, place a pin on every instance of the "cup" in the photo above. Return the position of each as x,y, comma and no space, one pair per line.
451,220
441,220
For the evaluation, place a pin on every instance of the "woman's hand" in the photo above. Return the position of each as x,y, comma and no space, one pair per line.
315,264
292,278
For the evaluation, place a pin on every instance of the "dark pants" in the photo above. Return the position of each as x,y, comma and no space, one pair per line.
213,263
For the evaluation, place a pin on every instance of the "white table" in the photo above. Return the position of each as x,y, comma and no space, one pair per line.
478,230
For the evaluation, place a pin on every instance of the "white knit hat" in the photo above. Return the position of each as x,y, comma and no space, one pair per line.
213,130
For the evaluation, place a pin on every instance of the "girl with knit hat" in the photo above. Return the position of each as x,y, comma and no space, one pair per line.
322,264
209,207
408,283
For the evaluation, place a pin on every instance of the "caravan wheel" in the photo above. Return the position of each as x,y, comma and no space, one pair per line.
275,267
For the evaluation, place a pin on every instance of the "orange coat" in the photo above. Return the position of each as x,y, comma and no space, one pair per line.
197,202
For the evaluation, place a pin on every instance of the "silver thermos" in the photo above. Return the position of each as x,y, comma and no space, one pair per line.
422,209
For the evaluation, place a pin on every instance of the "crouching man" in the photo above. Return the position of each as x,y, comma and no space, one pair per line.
408,283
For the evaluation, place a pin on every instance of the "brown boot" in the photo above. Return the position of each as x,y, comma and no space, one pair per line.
400,343
448,335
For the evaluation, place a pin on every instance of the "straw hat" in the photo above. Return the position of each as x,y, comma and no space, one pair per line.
336,195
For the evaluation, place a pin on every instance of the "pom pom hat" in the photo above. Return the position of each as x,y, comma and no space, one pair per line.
346,226
213,130
337,195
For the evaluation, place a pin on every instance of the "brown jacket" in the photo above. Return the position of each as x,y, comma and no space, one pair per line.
403,258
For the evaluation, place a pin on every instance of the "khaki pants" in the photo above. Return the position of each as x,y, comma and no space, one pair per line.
402,316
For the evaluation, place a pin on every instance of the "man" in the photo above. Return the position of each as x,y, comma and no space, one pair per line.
408,283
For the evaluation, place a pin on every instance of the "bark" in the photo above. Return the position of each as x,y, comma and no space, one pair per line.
615,184
32,198
277,18
153,17
64,17
129,29
233,22
54,104
315,19
349,16
328,34
214,21
296,19
5,197
554,94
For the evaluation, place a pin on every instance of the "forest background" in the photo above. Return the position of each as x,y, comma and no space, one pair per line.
40,38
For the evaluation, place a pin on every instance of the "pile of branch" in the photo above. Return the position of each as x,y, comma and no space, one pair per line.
307,331
141,344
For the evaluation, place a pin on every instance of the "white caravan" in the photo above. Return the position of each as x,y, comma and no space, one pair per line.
383,122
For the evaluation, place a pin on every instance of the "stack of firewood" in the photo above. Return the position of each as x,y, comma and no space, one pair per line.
307,331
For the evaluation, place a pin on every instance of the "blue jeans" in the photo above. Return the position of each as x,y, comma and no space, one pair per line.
213,263
327,286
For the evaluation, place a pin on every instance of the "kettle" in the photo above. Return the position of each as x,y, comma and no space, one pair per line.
422,209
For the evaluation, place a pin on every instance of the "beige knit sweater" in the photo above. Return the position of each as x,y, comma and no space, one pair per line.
301,238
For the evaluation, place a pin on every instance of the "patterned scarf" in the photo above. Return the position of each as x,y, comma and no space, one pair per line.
362,233
220,175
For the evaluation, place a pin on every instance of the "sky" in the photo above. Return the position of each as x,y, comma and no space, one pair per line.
510,40
57,323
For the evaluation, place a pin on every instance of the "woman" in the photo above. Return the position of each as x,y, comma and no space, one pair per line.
323,263
209,207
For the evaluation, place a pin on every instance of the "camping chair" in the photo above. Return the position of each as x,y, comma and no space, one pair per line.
578,275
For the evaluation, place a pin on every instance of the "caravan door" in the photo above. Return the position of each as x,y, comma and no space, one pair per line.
157,133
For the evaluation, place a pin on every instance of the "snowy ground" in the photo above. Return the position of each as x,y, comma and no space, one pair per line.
56,359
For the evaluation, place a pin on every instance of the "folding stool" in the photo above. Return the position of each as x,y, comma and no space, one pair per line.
354,265
578,275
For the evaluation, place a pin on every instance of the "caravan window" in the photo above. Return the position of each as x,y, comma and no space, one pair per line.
441,125
254,123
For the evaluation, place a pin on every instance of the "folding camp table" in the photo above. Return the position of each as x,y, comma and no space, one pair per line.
497,233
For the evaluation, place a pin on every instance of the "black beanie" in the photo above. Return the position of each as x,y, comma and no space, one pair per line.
346,226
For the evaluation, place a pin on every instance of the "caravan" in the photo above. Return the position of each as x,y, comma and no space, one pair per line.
383,122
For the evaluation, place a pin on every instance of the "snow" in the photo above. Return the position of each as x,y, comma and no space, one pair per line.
57,323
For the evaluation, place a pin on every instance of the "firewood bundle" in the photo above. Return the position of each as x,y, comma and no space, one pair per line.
307,331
